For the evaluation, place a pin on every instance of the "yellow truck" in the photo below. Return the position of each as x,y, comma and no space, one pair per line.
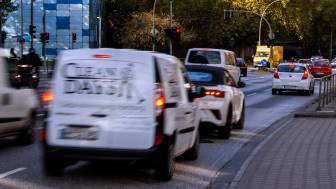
263,56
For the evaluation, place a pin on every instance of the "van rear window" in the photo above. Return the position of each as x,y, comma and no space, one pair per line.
291,68
204,57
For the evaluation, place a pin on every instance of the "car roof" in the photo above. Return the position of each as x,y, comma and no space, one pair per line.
211,49
289,63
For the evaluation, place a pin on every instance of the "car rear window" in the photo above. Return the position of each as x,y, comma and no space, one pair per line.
204,57
291,68
321,63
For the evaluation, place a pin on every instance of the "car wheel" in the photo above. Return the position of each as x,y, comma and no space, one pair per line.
274,91
225,132
240,124
27,137
53,166
165,169
192,153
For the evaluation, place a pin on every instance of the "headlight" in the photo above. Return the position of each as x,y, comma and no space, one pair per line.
17,76
34,76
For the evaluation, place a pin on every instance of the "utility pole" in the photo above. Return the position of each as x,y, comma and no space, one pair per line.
153,29
331,44
171,25
21,24
261,19
32,22
44,44
1,44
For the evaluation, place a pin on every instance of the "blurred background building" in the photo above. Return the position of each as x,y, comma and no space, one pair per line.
62,19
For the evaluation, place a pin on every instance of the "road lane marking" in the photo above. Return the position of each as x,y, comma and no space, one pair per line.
252,94
3,175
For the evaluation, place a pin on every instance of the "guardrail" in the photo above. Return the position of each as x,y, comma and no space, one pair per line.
327,91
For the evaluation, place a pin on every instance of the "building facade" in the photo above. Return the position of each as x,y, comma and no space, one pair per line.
62,19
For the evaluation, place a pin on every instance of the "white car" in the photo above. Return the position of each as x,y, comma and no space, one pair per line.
215,57
293,77
224,104
114,104
18,108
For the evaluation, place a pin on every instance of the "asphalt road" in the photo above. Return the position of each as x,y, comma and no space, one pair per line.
21,167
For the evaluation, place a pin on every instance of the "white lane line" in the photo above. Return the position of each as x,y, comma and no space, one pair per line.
3,175
252,94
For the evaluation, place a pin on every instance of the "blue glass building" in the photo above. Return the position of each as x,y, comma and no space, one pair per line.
63,17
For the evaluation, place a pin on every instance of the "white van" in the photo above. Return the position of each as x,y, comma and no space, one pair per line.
114,104
214,57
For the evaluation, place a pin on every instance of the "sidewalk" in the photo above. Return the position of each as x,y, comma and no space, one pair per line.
301,155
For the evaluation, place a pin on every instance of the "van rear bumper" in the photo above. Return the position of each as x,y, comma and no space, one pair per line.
153,154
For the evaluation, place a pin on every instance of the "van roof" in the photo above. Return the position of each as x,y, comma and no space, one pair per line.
109,53
211,49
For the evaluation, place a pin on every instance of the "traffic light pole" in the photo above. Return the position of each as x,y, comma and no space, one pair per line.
171,25
32,22
44,44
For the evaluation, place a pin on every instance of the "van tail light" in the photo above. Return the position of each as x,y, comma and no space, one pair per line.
305,75
47,97
215,93
276,74
159,101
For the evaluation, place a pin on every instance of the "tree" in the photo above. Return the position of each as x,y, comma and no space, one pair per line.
6,7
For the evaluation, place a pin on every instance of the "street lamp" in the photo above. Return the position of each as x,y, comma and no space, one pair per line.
153,29
261,19
99,30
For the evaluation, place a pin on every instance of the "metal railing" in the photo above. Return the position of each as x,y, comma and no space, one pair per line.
327,91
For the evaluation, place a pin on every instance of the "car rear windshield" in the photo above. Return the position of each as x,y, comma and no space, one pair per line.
204,57
321,63
204,77
291,68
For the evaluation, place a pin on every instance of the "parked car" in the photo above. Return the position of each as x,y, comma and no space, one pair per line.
308,62
293,77
321,68
214,57
224,104
243,67
18,108
116,104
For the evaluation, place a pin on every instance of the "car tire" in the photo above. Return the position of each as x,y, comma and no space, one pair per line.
53,166
225,131
241,122
192,153
27,137
166,167
274,91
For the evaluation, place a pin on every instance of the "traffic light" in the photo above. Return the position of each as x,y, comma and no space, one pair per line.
3,36
174,34
32,30
44,37
74,37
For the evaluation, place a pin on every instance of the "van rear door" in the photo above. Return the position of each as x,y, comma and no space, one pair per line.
103,103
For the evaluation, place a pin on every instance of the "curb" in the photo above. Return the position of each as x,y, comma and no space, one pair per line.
321,114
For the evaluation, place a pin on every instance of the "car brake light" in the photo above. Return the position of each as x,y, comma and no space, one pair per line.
305,75
159,101
47,97
276,74
102,56
215,93
43,134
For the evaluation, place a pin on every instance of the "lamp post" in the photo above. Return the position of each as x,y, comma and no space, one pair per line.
99,30
261,19
153,29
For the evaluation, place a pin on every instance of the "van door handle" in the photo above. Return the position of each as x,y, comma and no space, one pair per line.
188,113
98,115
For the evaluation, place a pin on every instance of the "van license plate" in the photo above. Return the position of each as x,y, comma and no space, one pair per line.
79,133
289,87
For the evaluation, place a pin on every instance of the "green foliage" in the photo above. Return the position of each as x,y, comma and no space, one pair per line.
308,22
